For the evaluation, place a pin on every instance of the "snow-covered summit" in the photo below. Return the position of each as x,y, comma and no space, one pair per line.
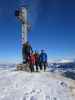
35,86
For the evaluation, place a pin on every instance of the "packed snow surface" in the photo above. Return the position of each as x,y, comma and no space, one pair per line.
19,85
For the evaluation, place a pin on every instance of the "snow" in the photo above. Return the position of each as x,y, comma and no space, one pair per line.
19,85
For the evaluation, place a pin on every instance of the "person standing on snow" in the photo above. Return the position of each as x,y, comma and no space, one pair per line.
36,60
43,60
31,61
26,50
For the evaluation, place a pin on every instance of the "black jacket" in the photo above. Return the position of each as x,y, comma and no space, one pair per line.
26,49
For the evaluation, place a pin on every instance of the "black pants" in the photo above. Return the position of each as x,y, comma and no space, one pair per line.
25,58
43,64
36,64
40,65
32,67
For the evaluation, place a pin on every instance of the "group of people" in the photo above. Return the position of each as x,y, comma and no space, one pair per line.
39,60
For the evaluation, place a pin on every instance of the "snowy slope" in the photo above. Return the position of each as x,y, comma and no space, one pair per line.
35,86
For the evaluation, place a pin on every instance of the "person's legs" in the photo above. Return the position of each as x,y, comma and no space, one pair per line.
24,59
32,67
45,65
36,67
40,65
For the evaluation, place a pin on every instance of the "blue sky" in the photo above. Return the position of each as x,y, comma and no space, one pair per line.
53,27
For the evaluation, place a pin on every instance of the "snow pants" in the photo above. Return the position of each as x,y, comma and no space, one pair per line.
43,64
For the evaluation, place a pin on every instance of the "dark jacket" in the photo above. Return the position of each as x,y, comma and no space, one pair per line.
26,49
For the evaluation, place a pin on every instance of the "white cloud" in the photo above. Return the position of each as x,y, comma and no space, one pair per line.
61,61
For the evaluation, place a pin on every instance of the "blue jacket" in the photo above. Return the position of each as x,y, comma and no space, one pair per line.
43,57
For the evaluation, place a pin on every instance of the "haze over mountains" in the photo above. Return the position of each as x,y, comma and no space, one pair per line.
62,61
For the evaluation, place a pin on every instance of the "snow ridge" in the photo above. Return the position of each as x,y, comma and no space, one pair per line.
35,86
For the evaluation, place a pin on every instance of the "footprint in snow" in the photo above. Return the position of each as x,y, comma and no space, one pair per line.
54,98
36,91
47,98
63,84
50,98
33,98
24,98
33,91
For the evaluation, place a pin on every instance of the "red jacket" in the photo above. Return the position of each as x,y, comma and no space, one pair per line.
32,59
36,58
